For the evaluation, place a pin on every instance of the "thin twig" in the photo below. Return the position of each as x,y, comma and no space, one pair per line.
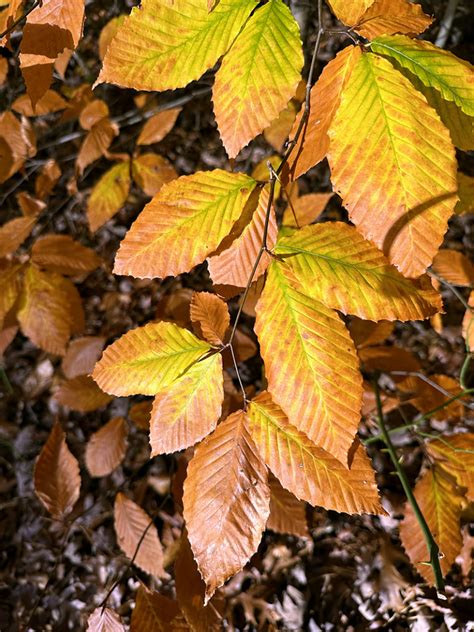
433,549
424,378
22,17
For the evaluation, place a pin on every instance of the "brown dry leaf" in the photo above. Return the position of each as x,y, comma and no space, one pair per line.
369,402
386,359
106,448
50,102
176,307
158,126
108,33
279,129
9,14
191,590
426,397
37,71
50,310
60,253
440,502
287,513
81,394
153,612
78,97
465,557
140,414
62,62
81,356
226,501
454,267
234,265
244,346
14,233
151,172
7,335
456,454
17,143
387,17
367,333
3,70
96,143
468,324
306,209
210,317
104,620
93,112
10,287
29,205
47,179
131,523
57,477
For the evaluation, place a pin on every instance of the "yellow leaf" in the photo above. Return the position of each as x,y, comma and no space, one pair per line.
311,364
387,17
454,267
313,142
158,126
108,195
136,537
440,502
185,222
466,194
57,477
287,513
210,317
151,172
108,33
60,253
189,409
49,309
14,233
226,501
456,455
349,11
82,394
148,359
393,163
106,448
163,45
337,266
258,76
234,264
308,471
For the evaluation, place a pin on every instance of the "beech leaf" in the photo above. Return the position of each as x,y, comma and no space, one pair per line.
387,17
158,126
287,513
106,448
210,316
108,195
151,172
104,620
81,356
60,253
82,394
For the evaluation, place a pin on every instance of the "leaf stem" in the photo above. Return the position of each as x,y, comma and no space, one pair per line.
433,549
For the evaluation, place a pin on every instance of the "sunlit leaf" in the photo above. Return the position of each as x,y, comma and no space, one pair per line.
258,76
108,33
453,266
287,513
185,222
17,143
210,317
387,17
50,102
148,359
305,209
104,620
57,478
226,501
106,448
108,195
96,143
349,11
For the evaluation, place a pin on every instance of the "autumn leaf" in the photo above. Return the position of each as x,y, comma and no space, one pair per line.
47,179
96,143
163,46
210,317
106,448
466,194
308,471
81,356
258,76
402,203
166,238
50,102
349,11
108,33
104,620
433,394
108,195
226,501
468,323
148,359
10,287
14,233
305,209
366,333
158,126
186,411
140,414
56,476
387,17
153,612
440,502
137,536
455,454
17,143
313,143
151,172
92,113
454,267
60,253
311,364
337,266
388,358
287,513
82,394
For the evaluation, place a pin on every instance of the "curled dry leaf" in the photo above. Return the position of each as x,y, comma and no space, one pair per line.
210,317
93,113
30,206
81,394
60,253
106,448
17,143
104,620
287,513
47,178
14,233
226,501
454,267
81,356
151,172
137,536
56,476
468,323
158,126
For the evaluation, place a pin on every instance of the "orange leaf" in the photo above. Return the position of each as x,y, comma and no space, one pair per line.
366,333
37,71
96,143
108,195
308,471
167,238
158,126
234,265
349,11
226,501
50,102
210,317
313,143
440,502
108,33
60,253
140,414
30,206
454,267
468,324
14,233
278,131
47,179
387,17
50,310
153,612
456,454
57,477
81,356
137,536
305,209
104,620
17,143
10,287
52,27
466,194
92,113
82,394
287,513
386,359
189,409
106,448
151,172
426,397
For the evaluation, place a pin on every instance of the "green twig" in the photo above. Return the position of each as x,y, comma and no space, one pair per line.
433,549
